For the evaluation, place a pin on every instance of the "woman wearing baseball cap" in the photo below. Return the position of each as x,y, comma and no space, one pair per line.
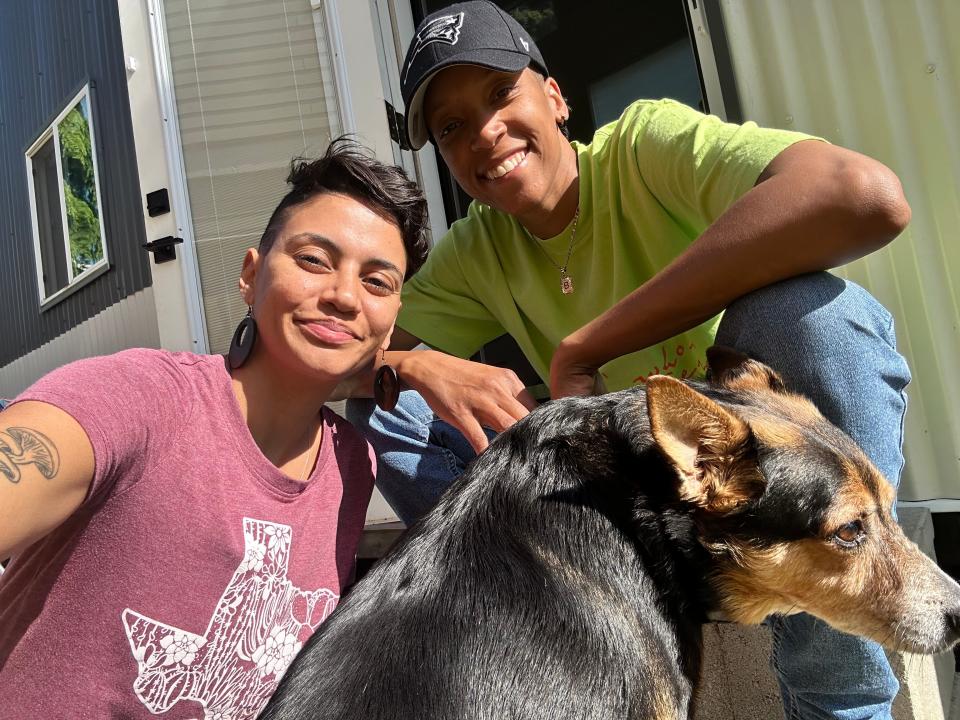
610,261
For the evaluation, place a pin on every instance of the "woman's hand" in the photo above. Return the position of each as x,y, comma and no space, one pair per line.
468,395
571,376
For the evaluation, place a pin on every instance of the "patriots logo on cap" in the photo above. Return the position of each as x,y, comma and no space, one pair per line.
445,29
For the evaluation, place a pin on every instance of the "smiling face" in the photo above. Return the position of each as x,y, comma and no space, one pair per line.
326,294
498,134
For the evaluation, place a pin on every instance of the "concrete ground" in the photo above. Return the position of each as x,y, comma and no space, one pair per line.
738,684
955,705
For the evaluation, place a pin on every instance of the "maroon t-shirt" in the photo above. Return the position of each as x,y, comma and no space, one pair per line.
194,570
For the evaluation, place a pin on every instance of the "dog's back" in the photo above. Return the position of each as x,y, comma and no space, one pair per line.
523,594
568,572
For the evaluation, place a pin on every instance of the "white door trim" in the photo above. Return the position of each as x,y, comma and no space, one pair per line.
934,504
179,198
331,16
394,26
708,62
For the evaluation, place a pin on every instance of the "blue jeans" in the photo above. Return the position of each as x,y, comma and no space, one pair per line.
830,340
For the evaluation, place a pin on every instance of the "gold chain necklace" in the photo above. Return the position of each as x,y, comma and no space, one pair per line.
566,282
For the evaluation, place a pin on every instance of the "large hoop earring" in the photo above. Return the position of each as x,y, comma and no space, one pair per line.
386,387
243,339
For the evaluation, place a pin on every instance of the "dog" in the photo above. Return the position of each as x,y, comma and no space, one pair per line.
569,571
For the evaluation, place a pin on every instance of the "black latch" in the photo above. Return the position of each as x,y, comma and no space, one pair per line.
398,126
158,202
163,249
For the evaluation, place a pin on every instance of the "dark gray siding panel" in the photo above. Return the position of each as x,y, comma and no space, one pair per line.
48,50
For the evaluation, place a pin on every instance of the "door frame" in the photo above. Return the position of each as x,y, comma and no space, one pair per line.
393,28
176,170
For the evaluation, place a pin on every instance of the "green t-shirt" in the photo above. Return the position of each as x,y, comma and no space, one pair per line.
650,183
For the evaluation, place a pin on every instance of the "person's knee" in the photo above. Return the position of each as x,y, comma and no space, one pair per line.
831,341
411,410
815,313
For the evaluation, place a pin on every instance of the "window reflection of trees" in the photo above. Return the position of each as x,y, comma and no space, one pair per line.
538,17
80,189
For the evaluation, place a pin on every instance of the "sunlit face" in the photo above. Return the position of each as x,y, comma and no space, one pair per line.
498,134
326,294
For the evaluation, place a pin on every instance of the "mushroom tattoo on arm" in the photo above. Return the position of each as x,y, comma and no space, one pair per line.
23,446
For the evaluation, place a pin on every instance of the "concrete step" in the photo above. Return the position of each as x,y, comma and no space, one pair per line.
955,705
737,682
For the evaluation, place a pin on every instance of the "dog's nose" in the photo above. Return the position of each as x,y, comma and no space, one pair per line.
953,621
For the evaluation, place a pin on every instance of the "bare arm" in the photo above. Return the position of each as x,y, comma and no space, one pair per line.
815,206
46,467
468,395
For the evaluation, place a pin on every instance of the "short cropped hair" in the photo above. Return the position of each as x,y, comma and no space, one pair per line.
347,169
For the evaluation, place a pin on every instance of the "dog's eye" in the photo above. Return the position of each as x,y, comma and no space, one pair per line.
850,535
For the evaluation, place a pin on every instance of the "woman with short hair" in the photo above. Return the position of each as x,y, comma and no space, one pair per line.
179,524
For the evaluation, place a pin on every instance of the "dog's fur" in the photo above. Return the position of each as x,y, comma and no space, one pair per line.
568,573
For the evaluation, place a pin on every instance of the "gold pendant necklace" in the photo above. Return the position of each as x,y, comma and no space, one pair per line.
566,282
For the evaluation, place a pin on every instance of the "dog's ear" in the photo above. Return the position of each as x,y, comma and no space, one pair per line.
704,442
734,370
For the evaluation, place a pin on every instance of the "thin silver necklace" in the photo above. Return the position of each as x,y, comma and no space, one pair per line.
566,282
310,456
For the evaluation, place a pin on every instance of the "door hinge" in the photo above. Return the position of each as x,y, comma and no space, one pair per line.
398,126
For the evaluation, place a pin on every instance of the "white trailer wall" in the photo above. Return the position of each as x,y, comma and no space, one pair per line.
881,77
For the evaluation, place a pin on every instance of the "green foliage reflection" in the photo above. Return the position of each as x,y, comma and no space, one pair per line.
537,17
80,189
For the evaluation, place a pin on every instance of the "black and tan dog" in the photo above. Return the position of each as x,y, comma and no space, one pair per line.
567,574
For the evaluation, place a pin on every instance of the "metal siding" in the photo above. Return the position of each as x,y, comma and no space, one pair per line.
131,322
881,77
48,49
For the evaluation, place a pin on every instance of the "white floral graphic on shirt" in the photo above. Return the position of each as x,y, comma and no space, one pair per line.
253,557
276,654
277,534
180,647
259,624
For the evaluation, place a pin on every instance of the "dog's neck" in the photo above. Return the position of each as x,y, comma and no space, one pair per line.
621,504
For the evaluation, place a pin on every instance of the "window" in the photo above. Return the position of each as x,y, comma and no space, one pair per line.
65,202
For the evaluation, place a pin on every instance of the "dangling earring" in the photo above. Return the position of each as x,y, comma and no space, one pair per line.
562,127
243,339
386,386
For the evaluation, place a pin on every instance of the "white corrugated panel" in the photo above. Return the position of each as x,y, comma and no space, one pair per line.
132,322
881,77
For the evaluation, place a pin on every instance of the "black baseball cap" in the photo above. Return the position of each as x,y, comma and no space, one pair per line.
469,33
